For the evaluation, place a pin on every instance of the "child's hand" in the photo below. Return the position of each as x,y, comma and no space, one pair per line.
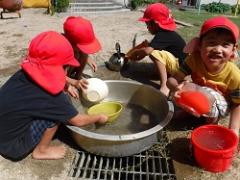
92,64
73,91
131,55
177,91
102,118
82,84
164,90
136,55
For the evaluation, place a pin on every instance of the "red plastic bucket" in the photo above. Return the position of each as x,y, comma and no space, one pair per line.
214,147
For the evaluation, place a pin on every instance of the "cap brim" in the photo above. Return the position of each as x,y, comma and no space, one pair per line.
73,62
51,78
142,19
224,27
90,48
169,27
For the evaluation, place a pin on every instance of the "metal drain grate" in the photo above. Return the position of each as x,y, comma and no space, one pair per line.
153,164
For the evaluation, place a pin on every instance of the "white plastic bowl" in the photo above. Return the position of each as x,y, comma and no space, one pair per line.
97,90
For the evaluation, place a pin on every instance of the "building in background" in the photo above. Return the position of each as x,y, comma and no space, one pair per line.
197,2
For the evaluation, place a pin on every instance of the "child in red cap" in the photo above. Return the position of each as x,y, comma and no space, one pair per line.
210,66
33,103
79,31
165,49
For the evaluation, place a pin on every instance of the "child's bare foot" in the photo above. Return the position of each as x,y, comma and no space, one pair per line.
50,153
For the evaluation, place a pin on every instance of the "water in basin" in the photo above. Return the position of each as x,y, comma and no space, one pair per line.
133,119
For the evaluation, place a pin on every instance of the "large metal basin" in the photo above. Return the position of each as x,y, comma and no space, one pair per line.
146,111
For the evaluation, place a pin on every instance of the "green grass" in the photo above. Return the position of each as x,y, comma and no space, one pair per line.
191,16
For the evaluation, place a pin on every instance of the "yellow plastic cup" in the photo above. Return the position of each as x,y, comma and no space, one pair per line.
111,109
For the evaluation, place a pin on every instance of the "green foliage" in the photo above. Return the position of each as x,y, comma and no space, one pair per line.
51,10
193,17
137,3
234,9
61,5
216,7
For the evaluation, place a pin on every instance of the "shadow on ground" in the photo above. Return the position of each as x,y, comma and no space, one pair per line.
183,121
181,151
64,135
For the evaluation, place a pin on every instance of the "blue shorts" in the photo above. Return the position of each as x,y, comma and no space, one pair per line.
38,127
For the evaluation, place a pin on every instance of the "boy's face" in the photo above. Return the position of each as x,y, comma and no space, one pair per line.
152,27
78,52
216,48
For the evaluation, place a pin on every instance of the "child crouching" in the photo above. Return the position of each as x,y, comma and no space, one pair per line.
33,103
210,66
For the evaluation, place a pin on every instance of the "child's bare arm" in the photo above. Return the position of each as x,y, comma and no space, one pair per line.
174,81
70,81
143,44
92,64
84,119
234,123
139,54
72,85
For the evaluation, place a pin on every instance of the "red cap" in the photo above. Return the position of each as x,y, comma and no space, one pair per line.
209,24
80,31
220,22
159,13
47,53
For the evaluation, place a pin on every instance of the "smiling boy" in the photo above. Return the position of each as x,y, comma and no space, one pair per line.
210,66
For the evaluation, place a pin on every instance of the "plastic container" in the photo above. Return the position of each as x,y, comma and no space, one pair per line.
195,99
96,91
111,109
214,147
194,102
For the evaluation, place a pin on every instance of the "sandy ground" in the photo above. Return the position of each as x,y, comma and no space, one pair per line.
16,34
